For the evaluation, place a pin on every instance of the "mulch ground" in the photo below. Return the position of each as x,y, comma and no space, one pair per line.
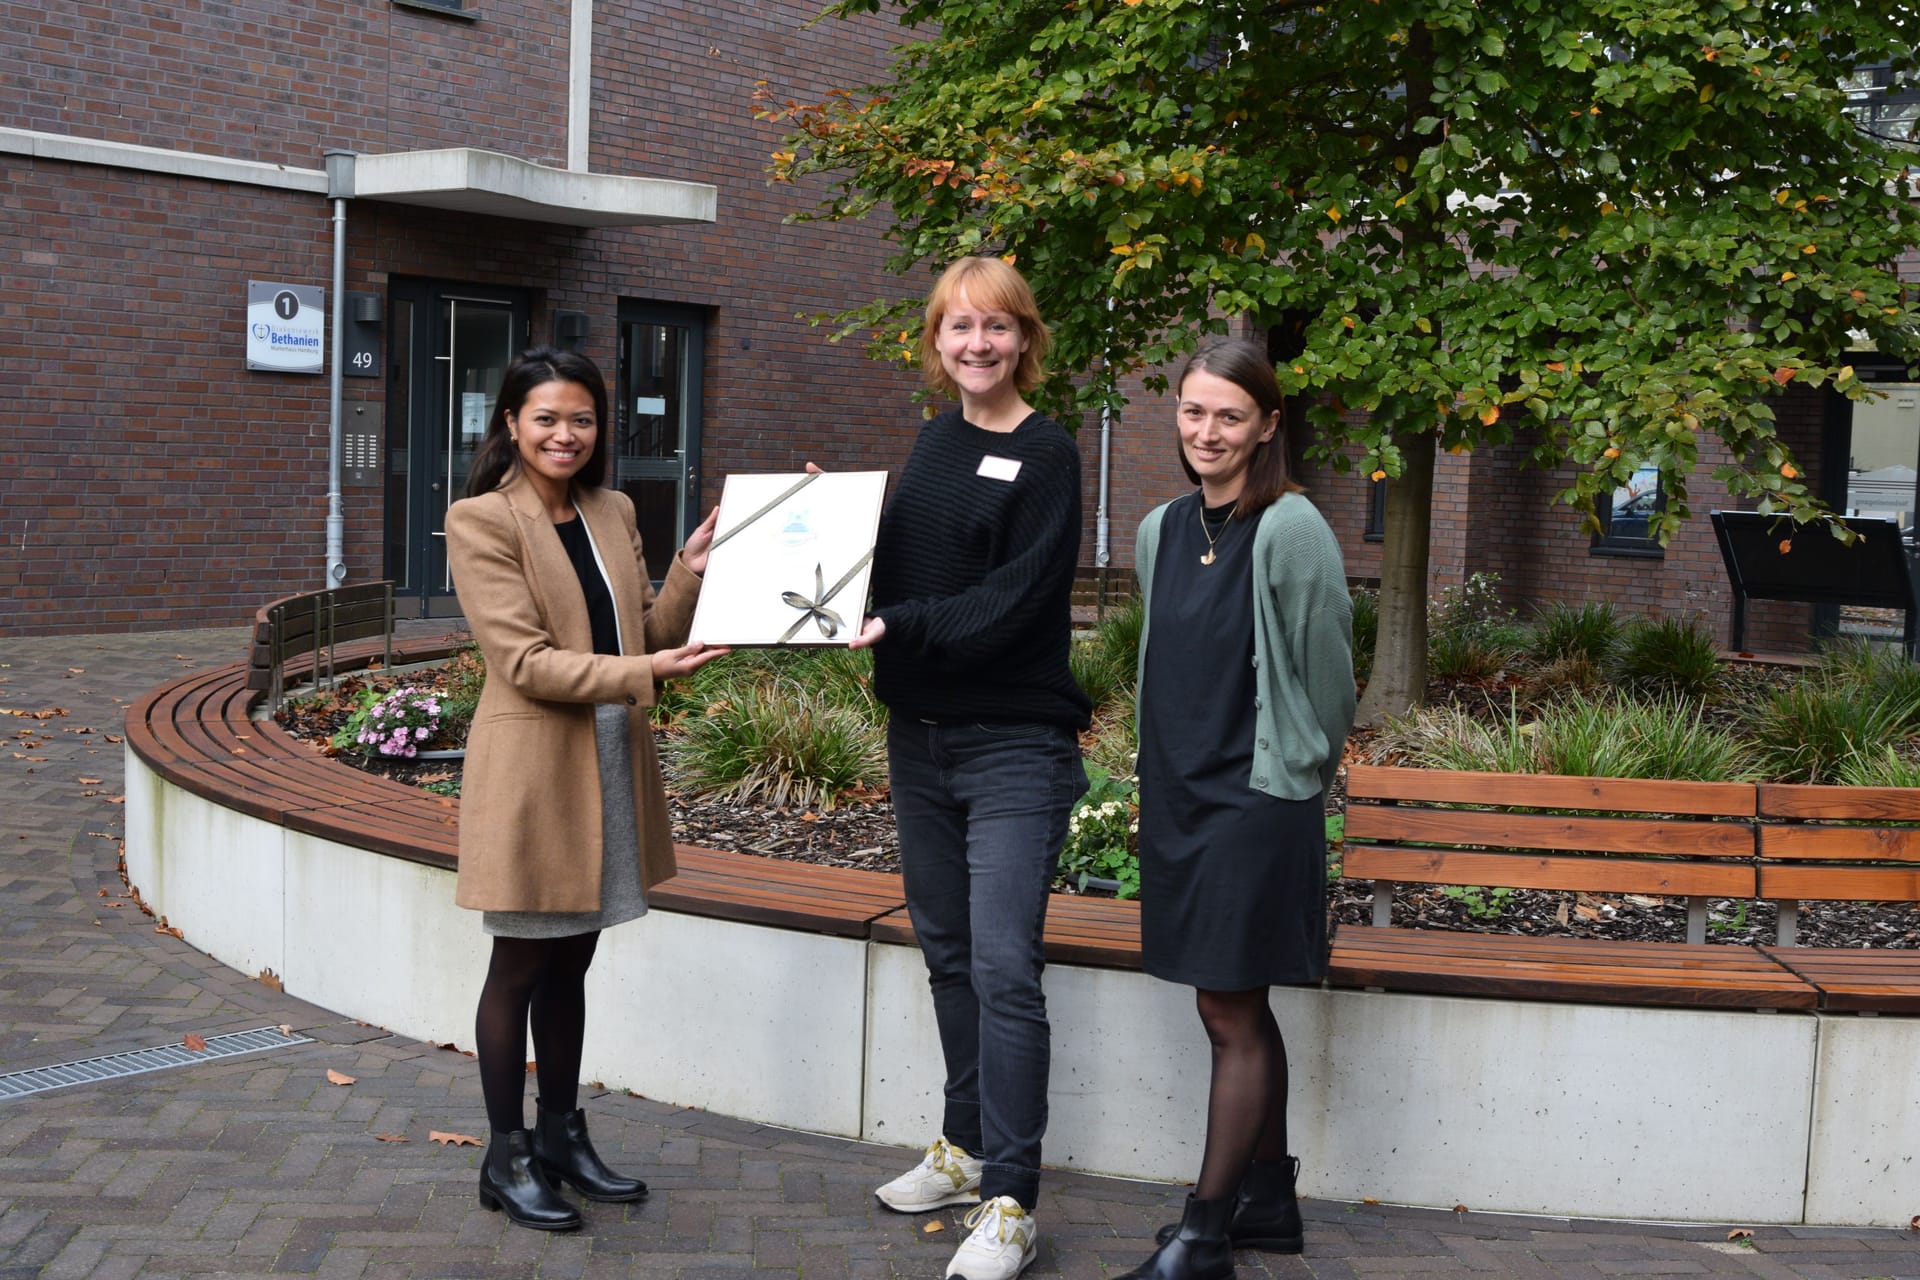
861,835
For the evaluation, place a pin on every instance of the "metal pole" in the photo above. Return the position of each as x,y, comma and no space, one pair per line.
1102,527
339,187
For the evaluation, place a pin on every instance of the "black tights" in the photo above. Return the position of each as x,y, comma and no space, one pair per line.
545,978
1247,1103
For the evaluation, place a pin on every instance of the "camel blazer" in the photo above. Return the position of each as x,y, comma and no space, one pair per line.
530,792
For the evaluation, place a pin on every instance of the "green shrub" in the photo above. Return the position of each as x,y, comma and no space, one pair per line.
1887,767
1571,673
1589,630
1804,732
780,743
1681,743
1468,655
1882,669
1106,659
1590,738
1366,630
1112,743
1448,737
1670,656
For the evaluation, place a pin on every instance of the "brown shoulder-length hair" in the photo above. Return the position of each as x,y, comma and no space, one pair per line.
992,285
498,458
1246,366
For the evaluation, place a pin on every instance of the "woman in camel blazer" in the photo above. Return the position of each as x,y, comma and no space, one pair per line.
563,822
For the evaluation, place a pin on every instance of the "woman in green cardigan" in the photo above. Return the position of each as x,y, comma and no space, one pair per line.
1246,696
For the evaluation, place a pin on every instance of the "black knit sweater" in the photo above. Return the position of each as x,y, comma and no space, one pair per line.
973,576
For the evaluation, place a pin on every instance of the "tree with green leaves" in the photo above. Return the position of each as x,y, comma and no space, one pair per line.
1599,228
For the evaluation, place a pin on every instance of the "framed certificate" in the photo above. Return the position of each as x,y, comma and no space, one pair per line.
790,561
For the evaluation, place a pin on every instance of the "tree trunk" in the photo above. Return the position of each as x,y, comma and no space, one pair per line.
1399,680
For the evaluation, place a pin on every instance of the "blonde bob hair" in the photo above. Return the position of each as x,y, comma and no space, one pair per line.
990,285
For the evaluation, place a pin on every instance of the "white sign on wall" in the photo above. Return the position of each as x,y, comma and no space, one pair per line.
286,327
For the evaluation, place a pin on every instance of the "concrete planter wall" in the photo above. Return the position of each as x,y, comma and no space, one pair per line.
1501,1105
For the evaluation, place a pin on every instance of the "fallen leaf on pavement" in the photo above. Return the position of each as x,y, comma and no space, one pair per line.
933,1227
338,1077
286,1029
196,1043
267,977
391,1137
1740,1233
452,1139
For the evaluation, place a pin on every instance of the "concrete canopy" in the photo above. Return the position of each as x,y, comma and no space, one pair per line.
468,180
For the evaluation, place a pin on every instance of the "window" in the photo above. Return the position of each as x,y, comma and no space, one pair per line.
1627,522
1376,530
468,9
1885,103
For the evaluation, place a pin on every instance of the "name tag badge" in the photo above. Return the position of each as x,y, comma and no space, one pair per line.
994,467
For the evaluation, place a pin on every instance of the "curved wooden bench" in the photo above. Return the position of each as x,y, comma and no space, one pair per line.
198,732
1403,825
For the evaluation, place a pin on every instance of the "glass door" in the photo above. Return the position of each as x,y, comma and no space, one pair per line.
452,345
657,401
1883,482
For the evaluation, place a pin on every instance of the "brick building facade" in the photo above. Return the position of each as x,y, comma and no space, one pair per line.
159,159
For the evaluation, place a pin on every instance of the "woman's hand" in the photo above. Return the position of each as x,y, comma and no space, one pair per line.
700,542
871,633
671,664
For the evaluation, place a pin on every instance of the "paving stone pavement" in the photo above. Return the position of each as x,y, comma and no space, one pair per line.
258,1166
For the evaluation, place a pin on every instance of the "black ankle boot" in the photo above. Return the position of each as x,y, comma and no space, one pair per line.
1195,1249
1266,1212
511,1179
561,1145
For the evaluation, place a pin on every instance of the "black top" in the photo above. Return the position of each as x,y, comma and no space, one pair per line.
973,575
606,632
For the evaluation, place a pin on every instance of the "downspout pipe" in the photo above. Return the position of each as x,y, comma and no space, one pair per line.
1102,522
339,190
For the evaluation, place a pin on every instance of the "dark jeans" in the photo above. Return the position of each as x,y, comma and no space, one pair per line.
982,811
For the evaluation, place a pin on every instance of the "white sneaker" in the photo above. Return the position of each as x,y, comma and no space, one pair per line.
947,1175
1002,1245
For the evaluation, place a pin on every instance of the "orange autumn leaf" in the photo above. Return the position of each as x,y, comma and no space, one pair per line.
1558,366
1783,375
198,1044
391,1137
1786,545
1788,470
1490,415
1378,475
1610,452
933,1227
338,1077
452,1139
268,978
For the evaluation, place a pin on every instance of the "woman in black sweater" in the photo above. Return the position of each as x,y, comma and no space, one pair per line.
970,625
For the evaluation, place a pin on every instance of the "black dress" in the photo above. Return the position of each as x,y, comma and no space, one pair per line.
1233,882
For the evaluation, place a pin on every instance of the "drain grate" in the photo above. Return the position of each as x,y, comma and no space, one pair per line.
19,1084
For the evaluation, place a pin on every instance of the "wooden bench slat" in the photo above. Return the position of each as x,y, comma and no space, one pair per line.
1803,800
1692,975
1854,844
1531,871
1691,838
1857,980
1826,882
1550,791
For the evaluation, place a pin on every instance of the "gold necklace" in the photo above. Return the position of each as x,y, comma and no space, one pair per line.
1212,537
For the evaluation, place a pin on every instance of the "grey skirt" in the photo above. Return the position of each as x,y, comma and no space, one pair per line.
621,898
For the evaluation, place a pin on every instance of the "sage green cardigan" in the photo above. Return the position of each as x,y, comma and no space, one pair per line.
1302,645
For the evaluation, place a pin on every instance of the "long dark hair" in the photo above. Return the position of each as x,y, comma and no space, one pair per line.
1246,366
498,458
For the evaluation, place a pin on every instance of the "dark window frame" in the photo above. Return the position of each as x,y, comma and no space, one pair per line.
1376,526
1635,545
442,8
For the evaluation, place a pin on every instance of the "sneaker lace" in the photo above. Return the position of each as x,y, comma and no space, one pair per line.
977,1218
941,1157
